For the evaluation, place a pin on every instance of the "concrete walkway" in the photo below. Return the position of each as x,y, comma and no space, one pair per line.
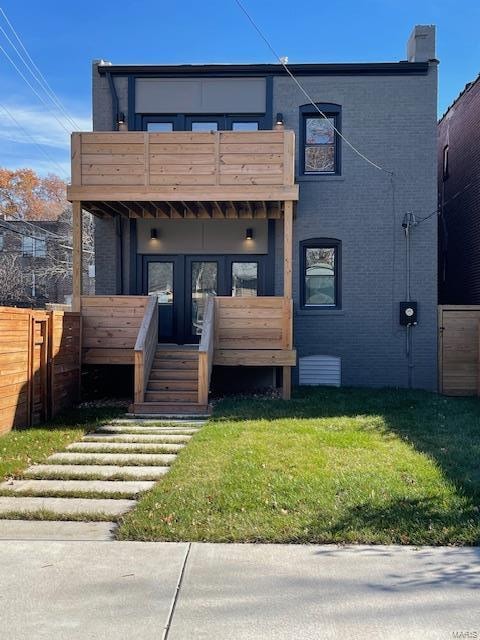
96,479
115,591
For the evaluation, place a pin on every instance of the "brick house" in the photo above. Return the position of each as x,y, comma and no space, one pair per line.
267,243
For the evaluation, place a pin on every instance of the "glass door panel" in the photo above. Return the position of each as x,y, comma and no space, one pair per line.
204,283
160,283
244,279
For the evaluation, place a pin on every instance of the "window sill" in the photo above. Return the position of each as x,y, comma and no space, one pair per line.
320,178
319,312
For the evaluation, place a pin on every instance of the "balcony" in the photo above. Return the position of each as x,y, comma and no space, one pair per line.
162,174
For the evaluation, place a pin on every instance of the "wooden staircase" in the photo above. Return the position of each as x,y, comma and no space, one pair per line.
172,386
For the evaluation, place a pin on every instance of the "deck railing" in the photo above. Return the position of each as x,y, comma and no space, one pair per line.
145,348
135,162
206,352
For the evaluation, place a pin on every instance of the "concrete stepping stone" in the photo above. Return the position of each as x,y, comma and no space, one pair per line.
113,447
113,458
159,422
56,530
110,428
66,506
154,438
104,471
72,486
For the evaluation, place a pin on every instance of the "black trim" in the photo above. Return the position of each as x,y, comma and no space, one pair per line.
133,257
330,110
222,70
270,275
131,103
322,243
183,122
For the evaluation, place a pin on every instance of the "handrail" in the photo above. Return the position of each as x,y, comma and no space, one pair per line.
206,351
145,348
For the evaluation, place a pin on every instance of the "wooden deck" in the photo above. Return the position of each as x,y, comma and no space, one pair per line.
236,332
155,174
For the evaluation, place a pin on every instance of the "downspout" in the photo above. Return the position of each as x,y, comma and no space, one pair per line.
119,225
113,93
409,221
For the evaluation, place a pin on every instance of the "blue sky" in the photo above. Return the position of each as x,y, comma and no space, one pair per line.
63,37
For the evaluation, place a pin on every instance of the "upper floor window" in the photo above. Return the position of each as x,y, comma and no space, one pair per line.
319,142
445,162
160,127
245,126
34,247
205,126
320,272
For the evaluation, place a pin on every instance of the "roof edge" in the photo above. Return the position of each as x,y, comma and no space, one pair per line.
349,68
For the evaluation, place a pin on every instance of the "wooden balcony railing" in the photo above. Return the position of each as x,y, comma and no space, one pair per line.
145,349
213,166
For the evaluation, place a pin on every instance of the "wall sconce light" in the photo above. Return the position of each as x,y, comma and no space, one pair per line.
153,234
279,119
249,234
121,122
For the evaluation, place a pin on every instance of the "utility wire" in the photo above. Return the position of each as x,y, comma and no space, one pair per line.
36,74
32,139
440,208
306,94
26,234
39,96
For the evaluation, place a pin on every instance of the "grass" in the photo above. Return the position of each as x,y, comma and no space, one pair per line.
21,448
331,466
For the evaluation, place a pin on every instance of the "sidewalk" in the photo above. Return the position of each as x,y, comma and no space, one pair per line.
129,590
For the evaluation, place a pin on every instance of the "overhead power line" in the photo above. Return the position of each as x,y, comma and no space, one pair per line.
39,96
35,73
33,141
306,94
440,208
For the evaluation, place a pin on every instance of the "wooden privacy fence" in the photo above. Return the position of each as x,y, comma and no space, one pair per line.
459,350
39,365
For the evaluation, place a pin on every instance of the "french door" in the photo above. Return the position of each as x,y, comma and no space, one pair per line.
182,285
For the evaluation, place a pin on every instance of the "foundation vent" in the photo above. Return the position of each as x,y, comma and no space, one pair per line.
326,370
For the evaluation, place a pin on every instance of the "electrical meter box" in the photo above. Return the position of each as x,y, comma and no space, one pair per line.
408,314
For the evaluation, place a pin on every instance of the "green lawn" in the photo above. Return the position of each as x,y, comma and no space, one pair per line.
20,448
332,465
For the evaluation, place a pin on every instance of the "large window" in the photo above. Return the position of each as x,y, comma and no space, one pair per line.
34,247
320,273
320,143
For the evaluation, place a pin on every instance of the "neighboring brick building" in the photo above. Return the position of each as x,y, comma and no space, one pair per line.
36,263
459,199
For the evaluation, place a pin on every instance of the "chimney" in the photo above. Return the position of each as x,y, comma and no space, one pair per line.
421,43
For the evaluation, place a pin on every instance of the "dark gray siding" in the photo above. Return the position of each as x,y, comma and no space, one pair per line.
392,120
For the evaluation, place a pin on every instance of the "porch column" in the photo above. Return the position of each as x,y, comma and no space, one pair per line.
77,255
287,287
287,249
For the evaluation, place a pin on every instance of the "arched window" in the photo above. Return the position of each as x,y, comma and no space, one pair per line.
319,142
320,267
